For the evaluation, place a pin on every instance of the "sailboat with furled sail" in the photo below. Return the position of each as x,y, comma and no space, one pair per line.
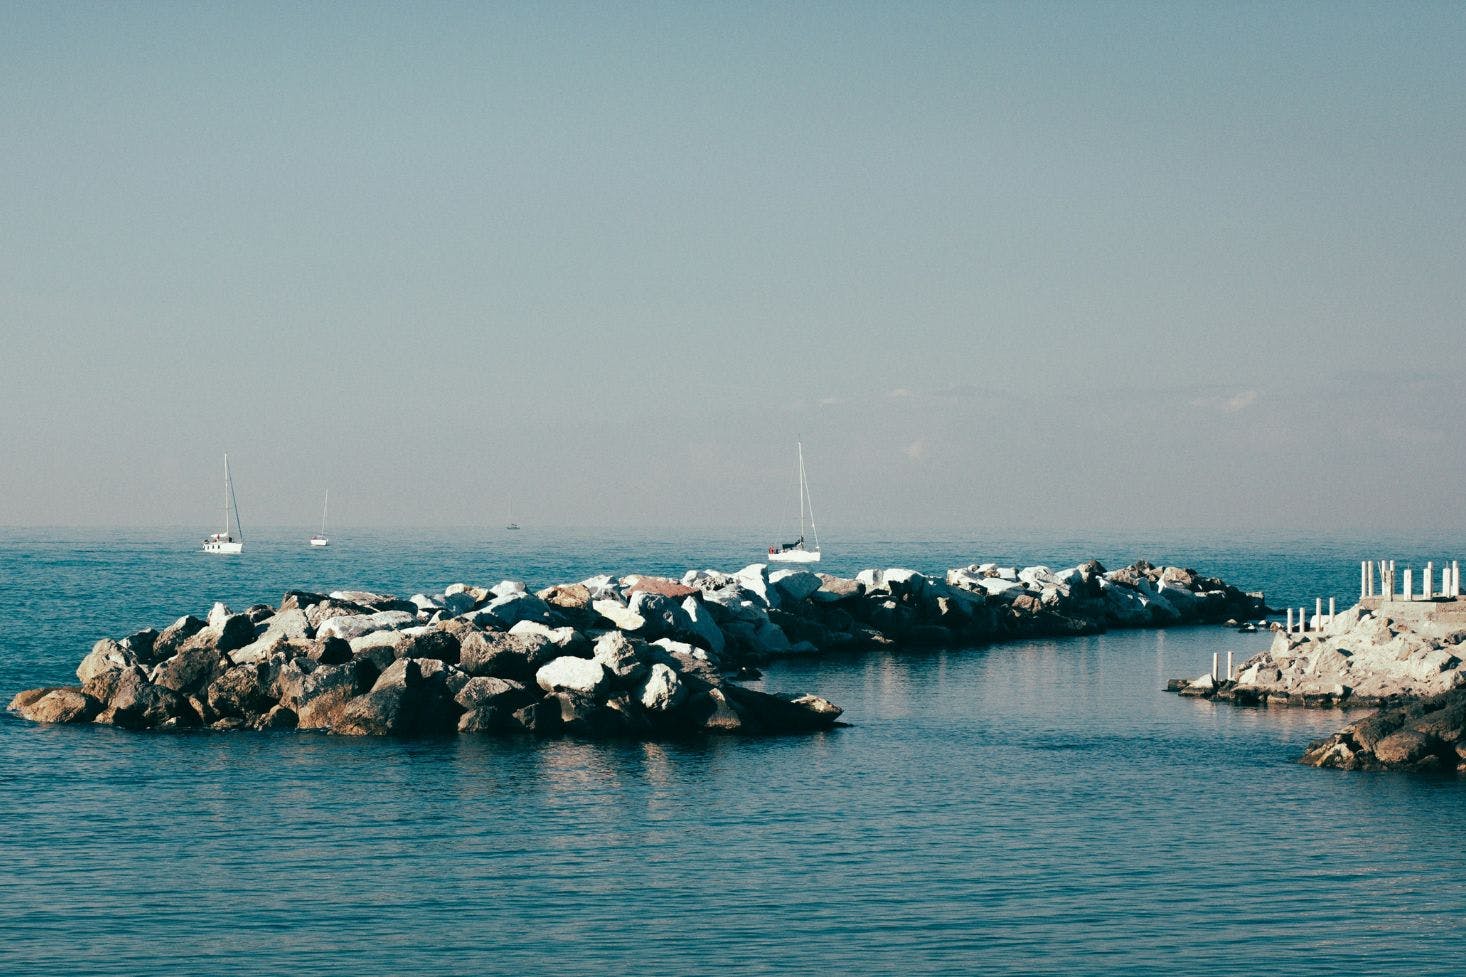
800,551
227,541
320,538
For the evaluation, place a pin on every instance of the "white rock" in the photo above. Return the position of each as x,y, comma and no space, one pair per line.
506,587
619,614
754,578
218,614
350,626
567,674
700,623
661,690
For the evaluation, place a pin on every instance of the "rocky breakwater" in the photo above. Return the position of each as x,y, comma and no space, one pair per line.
630,656
1417,736
1375,653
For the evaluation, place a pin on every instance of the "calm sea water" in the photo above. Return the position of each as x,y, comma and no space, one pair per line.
1039,807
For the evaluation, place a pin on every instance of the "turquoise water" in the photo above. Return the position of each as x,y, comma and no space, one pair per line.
1032,808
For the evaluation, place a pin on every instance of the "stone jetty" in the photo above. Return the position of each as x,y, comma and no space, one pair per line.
636,655
1375,653
1400,649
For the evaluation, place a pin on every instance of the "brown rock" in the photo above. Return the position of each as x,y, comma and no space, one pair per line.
59,705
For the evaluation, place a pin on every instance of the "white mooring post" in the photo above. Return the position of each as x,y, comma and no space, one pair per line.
1390,590
1363,579
1289,628
1318,613
1427,580
1214,666
1455,578
1229,666
1409,592
1331,612
1302,620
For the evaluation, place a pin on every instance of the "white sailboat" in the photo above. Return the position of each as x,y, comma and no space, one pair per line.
800,550
320,538
509,516
227,542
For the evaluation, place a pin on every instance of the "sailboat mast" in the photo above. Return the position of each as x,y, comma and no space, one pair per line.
807,500
234,499
226,493
325,507
801,488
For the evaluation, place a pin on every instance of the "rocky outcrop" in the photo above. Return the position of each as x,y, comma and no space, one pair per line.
1424,735
1374,653
636,656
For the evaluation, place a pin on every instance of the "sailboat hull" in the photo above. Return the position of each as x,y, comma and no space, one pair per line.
224,546
795,556
320,541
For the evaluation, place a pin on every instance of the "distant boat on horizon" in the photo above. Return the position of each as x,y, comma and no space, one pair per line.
799,550
226,542
509,515
320,539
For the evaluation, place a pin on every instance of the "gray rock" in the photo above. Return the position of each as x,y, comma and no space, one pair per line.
515,656
620,656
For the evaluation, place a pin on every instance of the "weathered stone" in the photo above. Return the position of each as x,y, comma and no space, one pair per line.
174,635
620,616
61,705
622,657
240,691
541,718
106,656
515,656
570,597
358,625
662,690
661,586
279,717
190,671
579,675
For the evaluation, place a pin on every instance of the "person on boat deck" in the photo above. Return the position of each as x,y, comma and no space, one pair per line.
794,545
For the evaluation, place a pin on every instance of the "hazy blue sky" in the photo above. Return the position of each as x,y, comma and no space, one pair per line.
1050,265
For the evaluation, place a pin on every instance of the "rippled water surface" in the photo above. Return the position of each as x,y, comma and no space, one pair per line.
1039,807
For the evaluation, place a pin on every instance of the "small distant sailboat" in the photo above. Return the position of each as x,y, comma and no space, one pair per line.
320,538
509,516
799,551
226,542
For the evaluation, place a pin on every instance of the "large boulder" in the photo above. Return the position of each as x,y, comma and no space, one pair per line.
662,689
137,703
794,586
579,675
106,656
515,656
620,616
190,671
242,691
63,705
356,625
622,657
174,635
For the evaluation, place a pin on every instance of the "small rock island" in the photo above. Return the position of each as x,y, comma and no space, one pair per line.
636,656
